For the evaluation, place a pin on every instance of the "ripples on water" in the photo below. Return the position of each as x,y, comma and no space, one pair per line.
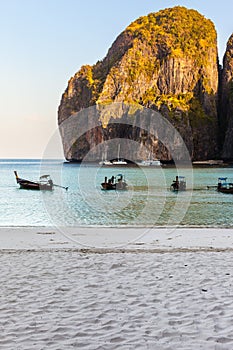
148,202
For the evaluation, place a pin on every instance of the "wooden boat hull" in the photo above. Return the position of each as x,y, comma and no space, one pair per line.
224,186
179,184
31,185
108,187
225,190
116,183
34,186
117,187
178,188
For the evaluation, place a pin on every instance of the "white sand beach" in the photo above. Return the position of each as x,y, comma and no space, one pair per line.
102,288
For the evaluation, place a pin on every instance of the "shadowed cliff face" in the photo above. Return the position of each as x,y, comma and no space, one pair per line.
166,61
226,111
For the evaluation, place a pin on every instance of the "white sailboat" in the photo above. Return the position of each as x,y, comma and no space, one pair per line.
104,160
119,161
149,162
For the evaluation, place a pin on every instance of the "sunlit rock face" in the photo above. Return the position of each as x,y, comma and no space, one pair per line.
167,62
226,101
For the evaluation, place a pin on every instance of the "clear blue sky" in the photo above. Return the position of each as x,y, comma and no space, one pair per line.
44,42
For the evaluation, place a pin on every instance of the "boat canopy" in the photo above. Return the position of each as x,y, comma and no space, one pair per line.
44,176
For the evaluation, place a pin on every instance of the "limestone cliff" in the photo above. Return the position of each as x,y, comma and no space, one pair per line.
166,61
226,106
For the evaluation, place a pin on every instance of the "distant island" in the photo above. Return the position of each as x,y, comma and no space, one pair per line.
168,62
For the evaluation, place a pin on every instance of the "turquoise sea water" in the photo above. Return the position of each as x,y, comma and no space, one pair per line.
148,202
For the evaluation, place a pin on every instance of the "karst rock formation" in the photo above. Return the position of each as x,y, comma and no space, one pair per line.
165,62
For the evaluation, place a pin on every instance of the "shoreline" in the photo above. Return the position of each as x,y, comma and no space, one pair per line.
108,240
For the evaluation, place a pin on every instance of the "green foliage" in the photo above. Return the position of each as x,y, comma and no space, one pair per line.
197,115
171,101
149,96
178,30
138,64
178,101
174,32
133,65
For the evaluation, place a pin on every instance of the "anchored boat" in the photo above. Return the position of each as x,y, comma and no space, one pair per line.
224,186
45,183
114,183
119,161
150,162
179,184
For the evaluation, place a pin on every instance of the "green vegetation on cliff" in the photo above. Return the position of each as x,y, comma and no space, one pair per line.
166,61
177,31
174,33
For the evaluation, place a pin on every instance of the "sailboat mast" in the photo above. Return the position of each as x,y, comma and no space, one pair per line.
119,146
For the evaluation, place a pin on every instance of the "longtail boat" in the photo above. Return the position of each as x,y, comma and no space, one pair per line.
224,186
45,183
179,184
114,183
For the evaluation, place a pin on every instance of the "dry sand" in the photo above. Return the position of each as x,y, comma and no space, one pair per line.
164,289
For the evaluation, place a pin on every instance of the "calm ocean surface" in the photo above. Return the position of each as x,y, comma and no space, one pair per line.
148,202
